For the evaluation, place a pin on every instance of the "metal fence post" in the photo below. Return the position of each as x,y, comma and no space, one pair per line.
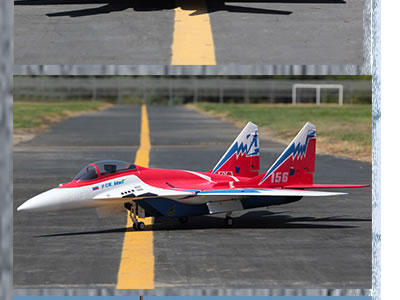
318,95
246,92
94,89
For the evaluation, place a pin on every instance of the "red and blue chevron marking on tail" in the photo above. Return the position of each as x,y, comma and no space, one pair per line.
296,163
243,157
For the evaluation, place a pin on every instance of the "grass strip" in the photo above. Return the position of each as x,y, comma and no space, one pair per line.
31,115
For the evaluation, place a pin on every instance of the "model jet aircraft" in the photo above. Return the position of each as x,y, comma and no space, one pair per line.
112,186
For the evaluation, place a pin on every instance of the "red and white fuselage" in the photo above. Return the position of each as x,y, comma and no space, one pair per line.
233,184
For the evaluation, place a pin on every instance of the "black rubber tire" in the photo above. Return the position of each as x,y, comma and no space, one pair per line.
228,221
140,226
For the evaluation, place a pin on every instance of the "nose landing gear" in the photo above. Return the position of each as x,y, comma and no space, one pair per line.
132,207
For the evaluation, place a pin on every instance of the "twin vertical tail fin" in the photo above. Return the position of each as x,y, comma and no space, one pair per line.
295,166
243,157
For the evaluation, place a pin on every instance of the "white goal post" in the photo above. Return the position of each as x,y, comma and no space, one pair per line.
317,88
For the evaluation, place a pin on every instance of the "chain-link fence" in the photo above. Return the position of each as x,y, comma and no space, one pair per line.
178,90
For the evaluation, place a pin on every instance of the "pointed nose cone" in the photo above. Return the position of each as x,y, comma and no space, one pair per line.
47,201
24,206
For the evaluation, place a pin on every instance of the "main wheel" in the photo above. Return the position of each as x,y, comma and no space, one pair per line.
229,221
183,220
140,226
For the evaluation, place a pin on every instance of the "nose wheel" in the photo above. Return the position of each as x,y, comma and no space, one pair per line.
139,226
132,207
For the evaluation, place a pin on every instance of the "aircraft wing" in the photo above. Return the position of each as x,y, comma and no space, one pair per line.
233,192
266,192
220,201
217,200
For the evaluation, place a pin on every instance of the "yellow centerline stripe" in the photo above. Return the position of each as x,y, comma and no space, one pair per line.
193,42
136,270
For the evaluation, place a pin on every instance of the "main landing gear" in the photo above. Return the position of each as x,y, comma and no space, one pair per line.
228,220
133,214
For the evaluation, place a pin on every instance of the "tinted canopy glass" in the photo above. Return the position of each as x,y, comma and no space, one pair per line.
113,166
87,173
105,167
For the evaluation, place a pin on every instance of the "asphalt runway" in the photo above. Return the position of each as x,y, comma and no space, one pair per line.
142,32
313,243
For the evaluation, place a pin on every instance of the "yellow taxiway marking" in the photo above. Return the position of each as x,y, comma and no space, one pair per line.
136,270
193,40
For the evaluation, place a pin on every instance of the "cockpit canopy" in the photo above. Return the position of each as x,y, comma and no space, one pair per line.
103,168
